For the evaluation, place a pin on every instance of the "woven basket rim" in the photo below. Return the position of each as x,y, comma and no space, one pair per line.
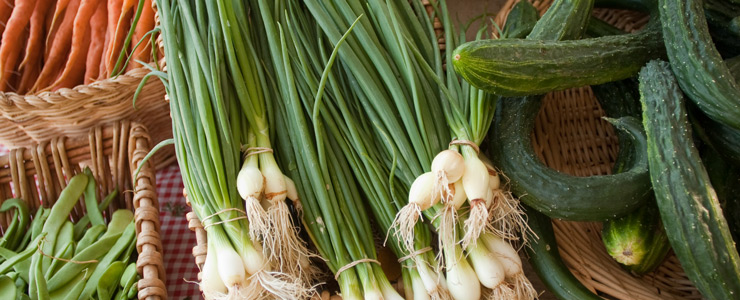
130,141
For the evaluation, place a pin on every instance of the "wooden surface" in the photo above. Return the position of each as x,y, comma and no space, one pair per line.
462,11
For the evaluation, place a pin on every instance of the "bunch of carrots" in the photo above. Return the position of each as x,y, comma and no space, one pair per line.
51,44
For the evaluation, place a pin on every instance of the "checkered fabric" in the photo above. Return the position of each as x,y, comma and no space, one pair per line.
177,239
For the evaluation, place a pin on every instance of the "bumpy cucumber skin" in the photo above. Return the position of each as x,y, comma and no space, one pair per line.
545,259
688,204
510,67
698,66
558,195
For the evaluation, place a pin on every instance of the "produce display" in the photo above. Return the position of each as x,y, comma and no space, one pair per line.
376,149
47,45
49,257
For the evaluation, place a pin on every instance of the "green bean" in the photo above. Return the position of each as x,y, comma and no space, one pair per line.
109,280
120,220
85,220
91,235
7,253
126,255
94,251
40,292
65,253
22,296
37,225
128,236
133,290
13,261
59,214
64,237
74,290
20,220
91,200
129,276
8,290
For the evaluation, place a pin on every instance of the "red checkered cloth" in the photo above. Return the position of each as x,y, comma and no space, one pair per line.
177,239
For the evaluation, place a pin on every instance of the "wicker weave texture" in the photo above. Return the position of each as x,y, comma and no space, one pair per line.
38,174
571,137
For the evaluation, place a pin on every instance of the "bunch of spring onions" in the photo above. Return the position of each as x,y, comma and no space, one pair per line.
326,93
333,210
215,87
395,66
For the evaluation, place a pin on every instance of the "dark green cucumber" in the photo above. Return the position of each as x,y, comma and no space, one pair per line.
724,139
721,19
520,21
509,67
545,260
571,18
725,178
698,66
637,241
597,27
688,204
734,65
558,195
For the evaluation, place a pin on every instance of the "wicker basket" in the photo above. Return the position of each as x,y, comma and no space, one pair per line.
570,136
38,174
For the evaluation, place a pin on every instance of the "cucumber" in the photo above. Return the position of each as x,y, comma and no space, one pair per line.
570,17
697,64
595,198
545,260
734,65
725,179
520,21
637,241
720,15
597,27
512,67
724,139
689,208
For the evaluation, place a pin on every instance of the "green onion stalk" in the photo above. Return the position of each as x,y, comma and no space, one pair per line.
209,129
395,62
333,207
327,93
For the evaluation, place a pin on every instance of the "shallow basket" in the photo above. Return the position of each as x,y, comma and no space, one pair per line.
38,174
570,136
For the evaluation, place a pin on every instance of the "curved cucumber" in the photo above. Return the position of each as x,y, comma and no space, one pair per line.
520,21
558,195
698,66
688,204
545,259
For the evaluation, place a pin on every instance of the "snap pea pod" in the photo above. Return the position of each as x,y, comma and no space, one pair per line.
120,220
91,200
129,277
21,219
81,225
128,236
91,235
65,253
8,290
109,280
95,251
74,290
131,294
59,214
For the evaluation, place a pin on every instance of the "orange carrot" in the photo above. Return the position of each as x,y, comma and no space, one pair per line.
5,9
31,64
97,42
60,48
114,14
74,70
9,50
54,24
14,78
145,24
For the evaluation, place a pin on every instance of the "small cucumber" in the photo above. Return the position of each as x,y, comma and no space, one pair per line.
637,241
689,208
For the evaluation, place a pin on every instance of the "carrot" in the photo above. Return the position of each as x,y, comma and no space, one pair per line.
54,24
9,50
114,14
60,48
31,64
5,9
97,42
145,24
75,68
14,76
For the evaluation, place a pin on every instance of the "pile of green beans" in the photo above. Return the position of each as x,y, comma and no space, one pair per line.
49,257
